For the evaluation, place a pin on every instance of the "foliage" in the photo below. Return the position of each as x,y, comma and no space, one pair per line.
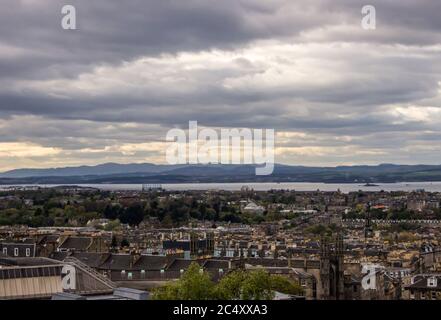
318,229
257,286
237,285
230,286
133,215
114,242
193,285
284,285
112,225
125,243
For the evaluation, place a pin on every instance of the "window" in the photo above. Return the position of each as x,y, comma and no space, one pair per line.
16,252
143,274
5,251
28,252
123,274
432,282
129,276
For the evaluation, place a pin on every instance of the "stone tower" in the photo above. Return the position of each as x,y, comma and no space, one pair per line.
368,231
332,268
194,244
210,243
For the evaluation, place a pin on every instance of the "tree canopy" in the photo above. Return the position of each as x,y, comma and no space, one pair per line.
196,284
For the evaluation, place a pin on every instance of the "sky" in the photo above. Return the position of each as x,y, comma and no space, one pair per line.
335,93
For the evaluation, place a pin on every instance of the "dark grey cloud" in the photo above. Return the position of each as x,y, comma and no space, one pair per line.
135,69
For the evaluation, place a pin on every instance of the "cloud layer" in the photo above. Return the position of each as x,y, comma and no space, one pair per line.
109,91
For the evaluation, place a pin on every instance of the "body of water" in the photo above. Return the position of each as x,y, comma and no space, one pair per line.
298,186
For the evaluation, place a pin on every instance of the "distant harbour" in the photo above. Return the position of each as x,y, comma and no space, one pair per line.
298,186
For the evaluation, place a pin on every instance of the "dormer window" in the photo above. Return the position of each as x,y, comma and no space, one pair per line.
432,282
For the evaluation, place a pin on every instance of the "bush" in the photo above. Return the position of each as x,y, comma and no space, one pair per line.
237,285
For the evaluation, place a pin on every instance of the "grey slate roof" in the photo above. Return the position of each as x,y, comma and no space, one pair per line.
179,264
76,243
151,263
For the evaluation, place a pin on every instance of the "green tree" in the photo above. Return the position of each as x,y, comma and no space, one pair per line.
125,243
112,225
170,291
193,285
230,286
133,215
248,285
114,242
196,285
237,285
167,222
257,286
317,229
282,284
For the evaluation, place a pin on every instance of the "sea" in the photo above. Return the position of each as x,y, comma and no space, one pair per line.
298,186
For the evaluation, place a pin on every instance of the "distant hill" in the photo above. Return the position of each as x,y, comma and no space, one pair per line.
101,169
151,173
